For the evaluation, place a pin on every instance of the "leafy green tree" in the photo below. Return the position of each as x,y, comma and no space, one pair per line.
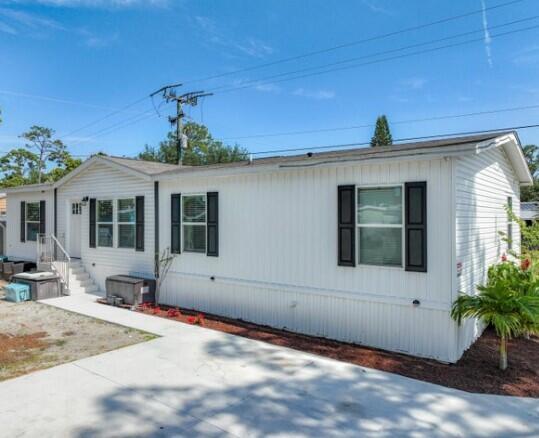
201,149
531,193
509,302
18,167
382,134
46,149
66,164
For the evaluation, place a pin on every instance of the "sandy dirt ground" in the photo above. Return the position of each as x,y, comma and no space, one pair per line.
34,336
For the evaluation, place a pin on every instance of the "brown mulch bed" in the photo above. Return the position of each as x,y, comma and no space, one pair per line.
477,371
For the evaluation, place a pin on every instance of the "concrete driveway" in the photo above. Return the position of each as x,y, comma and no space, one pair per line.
197,382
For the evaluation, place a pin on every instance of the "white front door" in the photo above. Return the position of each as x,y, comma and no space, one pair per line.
74,229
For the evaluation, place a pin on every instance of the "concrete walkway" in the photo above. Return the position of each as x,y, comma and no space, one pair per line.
198,382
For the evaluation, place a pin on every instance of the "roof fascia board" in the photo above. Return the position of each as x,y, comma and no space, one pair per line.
28,188
511,145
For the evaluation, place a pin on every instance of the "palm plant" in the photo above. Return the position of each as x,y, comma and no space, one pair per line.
502,303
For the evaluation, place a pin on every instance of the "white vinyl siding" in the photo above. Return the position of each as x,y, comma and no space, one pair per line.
14,247
102,181
483,184
277,261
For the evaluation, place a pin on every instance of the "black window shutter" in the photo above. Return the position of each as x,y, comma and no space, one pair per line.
346,225
139,224
212,224
176,223
416,226
23,221
91,239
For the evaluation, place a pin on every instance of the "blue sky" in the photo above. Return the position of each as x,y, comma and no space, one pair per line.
67,63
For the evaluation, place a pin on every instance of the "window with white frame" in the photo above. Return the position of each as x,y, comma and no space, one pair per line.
105,226
194,223
76,208
32,220
126,222
380,225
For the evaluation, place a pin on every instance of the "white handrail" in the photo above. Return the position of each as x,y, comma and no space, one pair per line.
66,255
48,248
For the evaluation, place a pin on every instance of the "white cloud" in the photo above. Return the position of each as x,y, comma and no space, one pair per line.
216,35
5,28
255,48
268,88
374,6
487,38
414,83
21,21
527,56
314,94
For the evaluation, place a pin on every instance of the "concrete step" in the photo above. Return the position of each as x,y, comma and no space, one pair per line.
76,269
81,276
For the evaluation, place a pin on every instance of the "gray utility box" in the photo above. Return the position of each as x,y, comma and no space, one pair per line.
43,285
133,290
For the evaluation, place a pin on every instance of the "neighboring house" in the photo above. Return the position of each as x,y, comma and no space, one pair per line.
368,245
529,212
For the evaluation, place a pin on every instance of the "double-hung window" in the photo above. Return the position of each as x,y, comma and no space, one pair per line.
105,227
380,225
32,220
126,223
194,223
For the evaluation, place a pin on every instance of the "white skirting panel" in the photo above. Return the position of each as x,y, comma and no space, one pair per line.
402,328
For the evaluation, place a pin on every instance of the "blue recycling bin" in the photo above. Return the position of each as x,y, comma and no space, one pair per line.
17,292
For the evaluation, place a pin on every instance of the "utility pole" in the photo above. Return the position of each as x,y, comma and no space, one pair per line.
169,95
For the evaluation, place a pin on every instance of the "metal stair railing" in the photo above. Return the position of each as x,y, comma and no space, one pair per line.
52,255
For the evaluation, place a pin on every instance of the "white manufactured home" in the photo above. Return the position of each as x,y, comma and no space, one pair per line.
369,246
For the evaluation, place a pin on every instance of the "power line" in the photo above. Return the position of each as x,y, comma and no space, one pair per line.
121,123
113,113
55,99
399,140
370,125
357,42
305,55
260,82
373,55
284,60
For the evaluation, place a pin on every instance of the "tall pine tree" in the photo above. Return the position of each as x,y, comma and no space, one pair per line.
382,134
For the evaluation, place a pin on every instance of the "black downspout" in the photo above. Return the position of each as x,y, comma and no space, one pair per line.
156,226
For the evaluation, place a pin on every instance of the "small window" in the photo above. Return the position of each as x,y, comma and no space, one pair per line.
379,221
194,223
126,223
76,208
104,223
32,220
